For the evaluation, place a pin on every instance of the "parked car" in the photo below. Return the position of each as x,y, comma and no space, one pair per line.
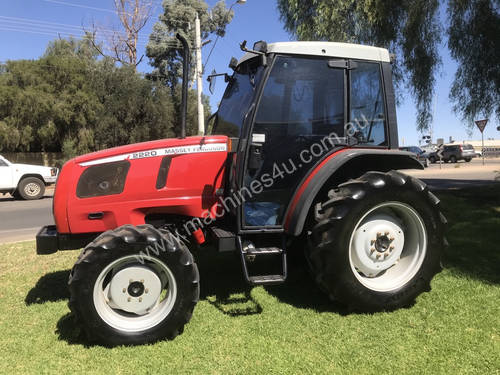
421,154
454,153
25,181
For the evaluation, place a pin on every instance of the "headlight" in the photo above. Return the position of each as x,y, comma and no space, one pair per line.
103,179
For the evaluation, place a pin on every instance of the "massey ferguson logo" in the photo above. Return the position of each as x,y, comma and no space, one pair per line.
214,147
194,149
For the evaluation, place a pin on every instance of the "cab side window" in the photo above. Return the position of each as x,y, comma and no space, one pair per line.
3,163
367,113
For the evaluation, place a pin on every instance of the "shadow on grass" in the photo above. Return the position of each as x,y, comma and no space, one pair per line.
70,331
221,278
51,287
473,232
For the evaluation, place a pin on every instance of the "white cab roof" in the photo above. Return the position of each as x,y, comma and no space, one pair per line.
328,49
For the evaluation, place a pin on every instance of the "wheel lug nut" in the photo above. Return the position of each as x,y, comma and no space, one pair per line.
386,233
391,248
130,281
140,299
142,281
391,239
378,256
146,290
124,290
372,242
386,255
129,299
379,234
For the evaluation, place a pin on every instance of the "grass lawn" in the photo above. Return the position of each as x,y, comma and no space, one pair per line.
276,330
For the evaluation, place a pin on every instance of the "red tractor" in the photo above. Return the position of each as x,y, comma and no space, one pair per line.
302,155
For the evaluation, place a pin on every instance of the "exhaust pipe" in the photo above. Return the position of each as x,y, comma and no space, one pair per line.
185,78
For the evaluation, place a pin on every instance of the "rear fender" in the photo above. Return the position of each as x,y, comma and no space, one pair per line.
335,169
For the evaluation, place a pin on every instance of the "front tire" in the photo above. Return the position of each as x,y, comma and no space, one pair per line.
377,241
30,188
134,285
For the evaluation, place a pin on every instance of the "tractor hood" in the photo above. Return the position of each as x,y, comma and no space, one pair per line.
129,184
159,148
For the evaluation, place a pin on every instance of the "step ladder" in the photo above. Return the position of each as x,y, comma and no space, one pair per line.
249,253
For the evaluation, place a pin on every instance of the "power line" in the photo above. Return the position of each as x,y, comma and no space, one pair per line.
81,32
30,22
80,36
77,32
51,33
79,6
59,2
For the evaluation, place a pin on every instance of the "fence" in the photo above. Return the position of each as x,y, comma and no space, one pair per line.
37,158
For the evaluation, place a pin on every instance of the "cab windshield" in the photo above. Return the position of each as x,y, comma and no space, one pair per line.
237,98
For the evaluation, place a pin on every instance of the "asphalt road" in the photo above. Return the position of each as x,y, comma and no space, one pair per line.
21,220
448,176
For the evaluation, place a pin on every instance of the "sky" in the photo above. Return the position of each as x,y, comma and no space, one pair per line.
26,27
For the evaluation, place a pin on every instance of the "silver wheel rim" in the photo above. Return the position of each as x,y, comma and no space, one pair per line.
132,296
388,246
32,189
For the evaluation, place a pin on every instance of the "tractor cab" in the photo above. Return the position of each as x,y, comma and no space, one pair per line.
289,106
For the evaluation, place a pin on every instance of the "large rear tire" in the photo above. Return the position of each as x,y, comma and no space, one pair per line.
377,241
134,285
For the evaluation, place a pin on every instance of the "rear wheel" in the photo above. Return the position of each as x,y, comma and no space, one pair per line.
134,285
30,188
377,241
453,159
432,159
467,160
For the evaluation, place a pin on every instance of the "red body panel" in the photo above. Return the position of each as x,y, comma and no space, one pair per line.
192,181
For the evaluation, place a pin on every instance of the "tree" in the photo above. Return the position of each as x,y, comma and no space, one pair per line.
70,101
474,41
163,50
121,46
410,28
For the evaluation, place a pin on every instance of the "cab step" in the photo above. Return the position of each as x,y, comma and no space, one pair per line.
248,254
267,280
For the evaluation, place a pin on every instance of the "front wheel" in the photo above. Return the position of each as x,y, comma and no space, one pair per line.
377,241
134,285
467,160
30,188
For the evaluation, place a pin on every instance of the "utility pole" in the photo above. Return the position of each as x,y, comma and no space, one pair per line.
199,77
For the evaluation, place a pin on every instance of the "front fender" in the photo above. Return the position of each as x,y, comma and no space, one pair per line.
337,168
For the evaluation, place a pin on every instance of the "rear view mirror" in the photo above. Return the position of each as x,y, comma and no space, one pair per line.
233,64
211,79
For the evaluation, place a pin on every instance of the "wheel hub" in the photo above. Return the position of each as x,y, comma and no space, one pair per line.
383,242
32,189
135,289
377,244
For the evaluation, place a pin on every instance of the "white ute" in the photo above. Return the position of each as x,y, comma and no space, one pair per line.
25,181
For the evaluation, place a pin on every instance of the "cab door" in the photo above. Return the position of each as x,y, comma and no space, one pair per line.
302,102
5,174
